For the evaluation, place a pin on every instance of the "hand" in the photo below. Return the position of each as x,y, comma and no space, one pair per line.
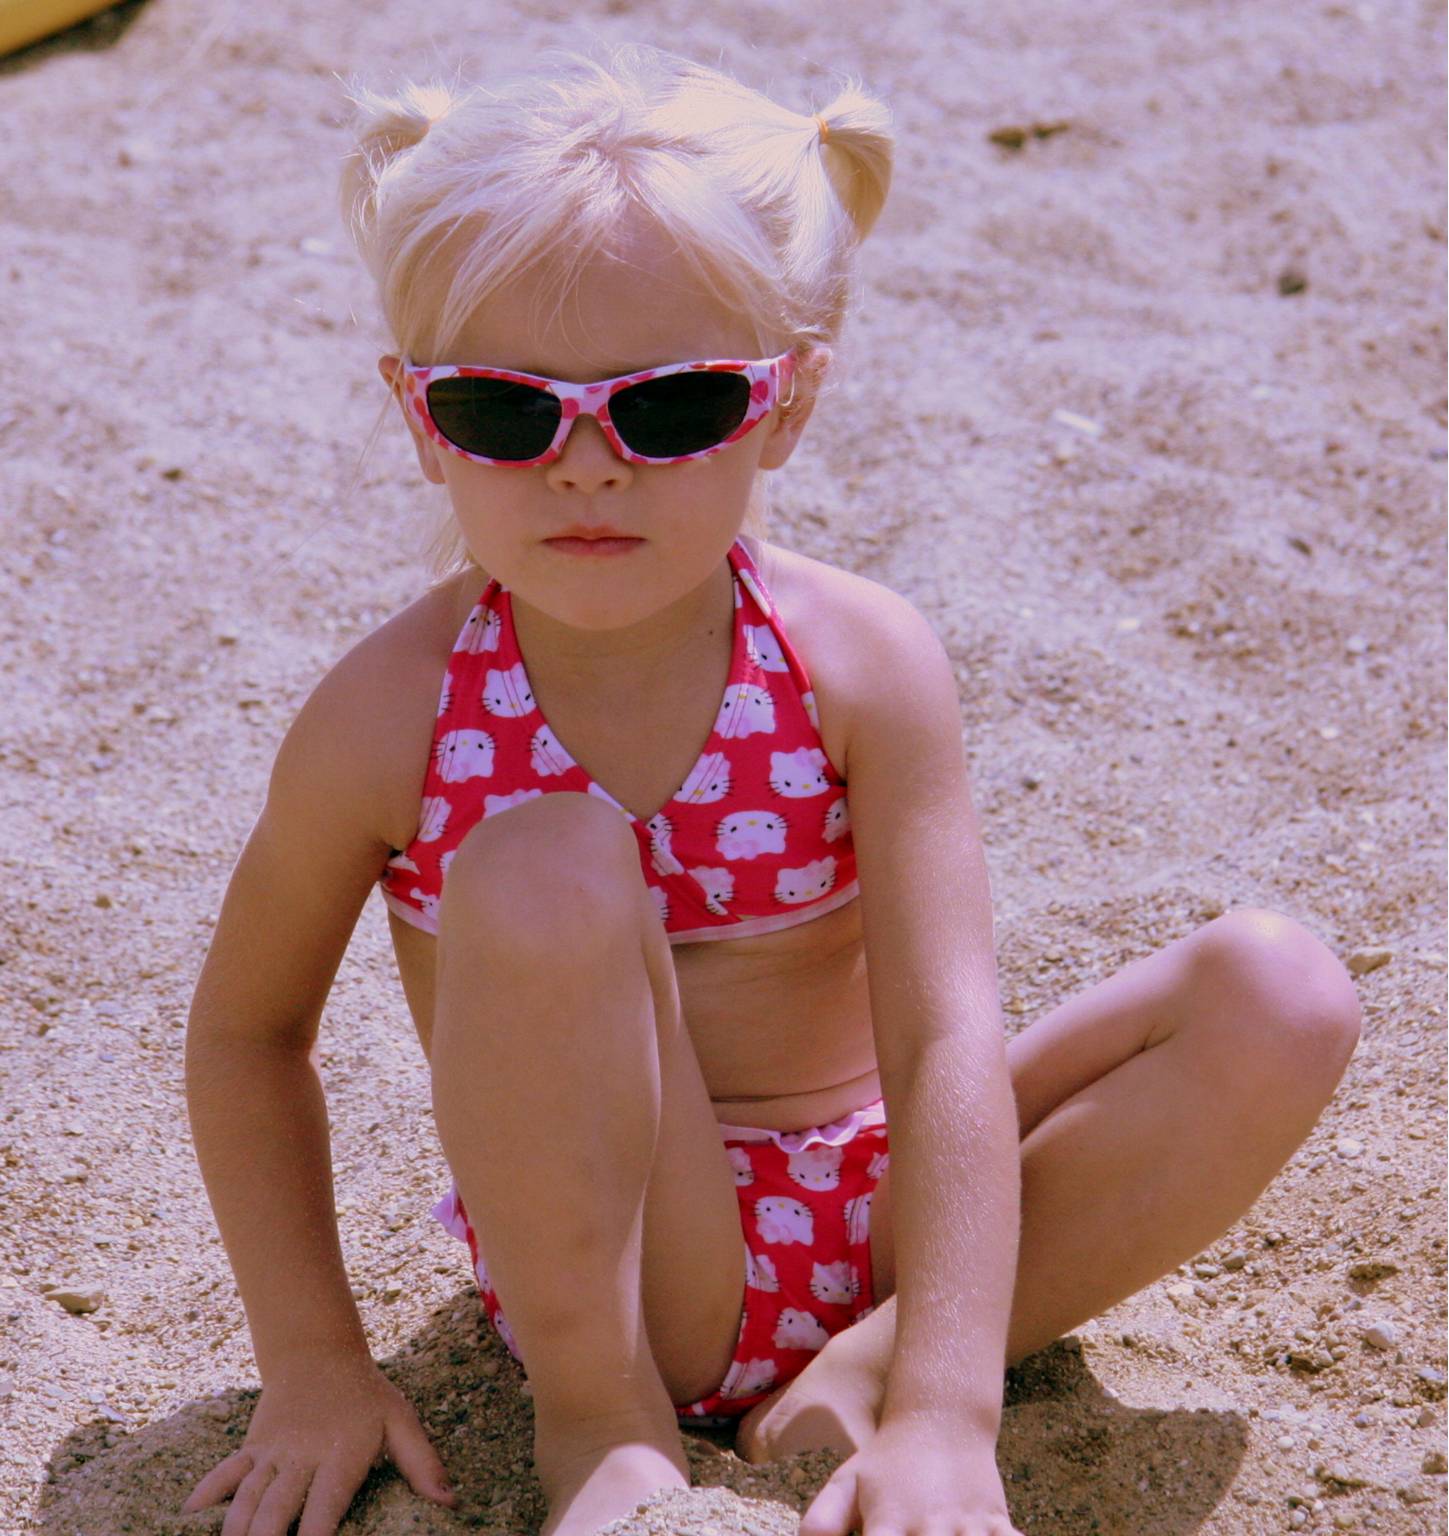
911,1477
316,1432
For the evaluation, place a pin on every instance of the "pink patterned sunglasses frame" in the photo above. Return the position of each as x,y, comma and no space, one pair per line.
766,376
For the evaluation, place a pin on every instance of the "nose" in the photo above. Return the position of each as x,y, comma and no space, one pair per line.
588,460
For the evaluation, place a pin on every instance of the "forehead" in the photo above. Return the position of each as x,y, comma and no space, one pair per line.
634,306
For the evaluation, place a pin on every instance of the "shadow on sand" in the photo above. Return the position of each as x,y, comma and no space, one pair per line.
1073,1459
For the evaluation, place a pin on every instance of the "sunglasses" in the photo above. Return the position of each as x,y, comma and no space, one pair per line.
660,416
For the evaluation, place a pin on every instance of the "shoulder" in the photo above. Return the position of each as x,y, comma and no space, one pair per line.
873,657
368,724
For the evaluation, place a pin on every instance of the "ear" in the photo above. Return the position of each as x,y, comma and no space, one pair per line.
390,367
785,429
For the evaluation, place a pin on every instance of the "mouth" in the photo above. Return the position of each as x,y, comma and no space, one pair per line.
594,544
590,534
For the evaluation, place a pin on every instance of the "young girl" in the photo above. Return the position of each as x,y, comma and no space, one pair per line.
717,1057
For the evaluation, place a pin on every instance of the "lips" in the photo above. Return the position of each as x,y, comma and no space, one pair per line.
594,532
593,546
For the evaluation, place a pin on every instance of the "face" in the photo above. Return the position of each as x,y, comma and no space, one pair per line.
634,309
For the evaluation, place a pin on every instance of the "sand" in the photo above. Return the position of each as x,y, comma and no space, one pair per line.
1147,414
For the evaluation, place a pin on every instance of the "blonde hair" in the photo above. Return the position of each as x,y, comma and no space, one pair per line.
464,188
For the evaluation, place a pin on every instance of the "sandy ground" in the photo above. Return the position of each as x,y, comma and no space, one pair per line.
1199,624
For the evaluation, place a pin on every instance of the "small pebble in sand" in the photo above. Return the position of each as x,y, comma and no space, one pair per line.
1370,1269
1369,958
1346,1146
1078,423
1434,1462
1381,1335
135,151
77,1298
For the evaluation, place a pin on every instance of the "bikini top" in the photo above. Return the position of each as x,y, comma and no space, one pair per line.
757,837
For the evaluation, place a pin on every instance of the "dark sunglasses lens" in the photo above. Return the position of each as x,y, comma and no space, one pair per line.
680,413
494,417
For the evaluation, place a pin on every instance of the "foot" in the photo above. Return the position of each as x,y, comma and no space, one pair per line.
588,1483
833,1404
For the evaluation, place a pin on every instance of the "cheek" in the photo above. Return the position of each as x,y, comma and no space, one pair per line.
483,511
729,474
476,487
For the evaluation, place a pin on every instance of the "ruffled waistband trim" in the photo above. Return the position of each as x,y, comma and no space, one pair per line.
447,1213
836,1134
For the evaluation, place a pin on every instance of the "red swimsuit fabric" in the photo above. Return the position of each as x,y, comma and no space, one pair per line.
757,837
804,1201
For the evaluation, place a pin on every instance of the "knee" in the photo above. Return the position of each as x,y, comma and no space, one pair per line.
1283,994
559,869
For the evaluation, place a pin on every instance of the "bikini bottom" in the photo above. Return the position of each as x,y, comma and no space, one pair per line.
804,1199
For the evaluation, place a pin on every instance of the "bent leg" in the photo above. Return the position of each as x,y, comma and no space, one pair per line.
1246,1026
1154,1107
550,1103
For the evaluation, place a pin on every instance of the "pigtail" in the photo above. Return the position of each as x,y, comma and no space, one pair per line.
385,131
857,154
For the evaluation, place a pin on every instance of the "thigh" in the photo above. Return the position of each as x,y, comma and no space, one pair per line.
1069,1048
693,1277
550,850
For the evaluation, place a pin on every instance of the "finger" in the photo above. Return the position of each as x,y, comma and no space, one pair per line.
245,1500
328,1500
833,1513
281,1501
408,1445
219,1482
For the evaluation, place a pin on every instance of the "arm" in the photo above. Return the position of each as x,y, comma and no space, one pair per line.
258,1116
926,912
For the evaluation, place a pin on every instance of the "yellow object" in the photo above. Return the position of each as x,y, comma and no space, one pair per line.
26,21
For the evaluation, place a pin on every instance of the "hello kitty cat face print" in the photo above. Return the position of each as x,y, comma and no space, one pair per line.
757,835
